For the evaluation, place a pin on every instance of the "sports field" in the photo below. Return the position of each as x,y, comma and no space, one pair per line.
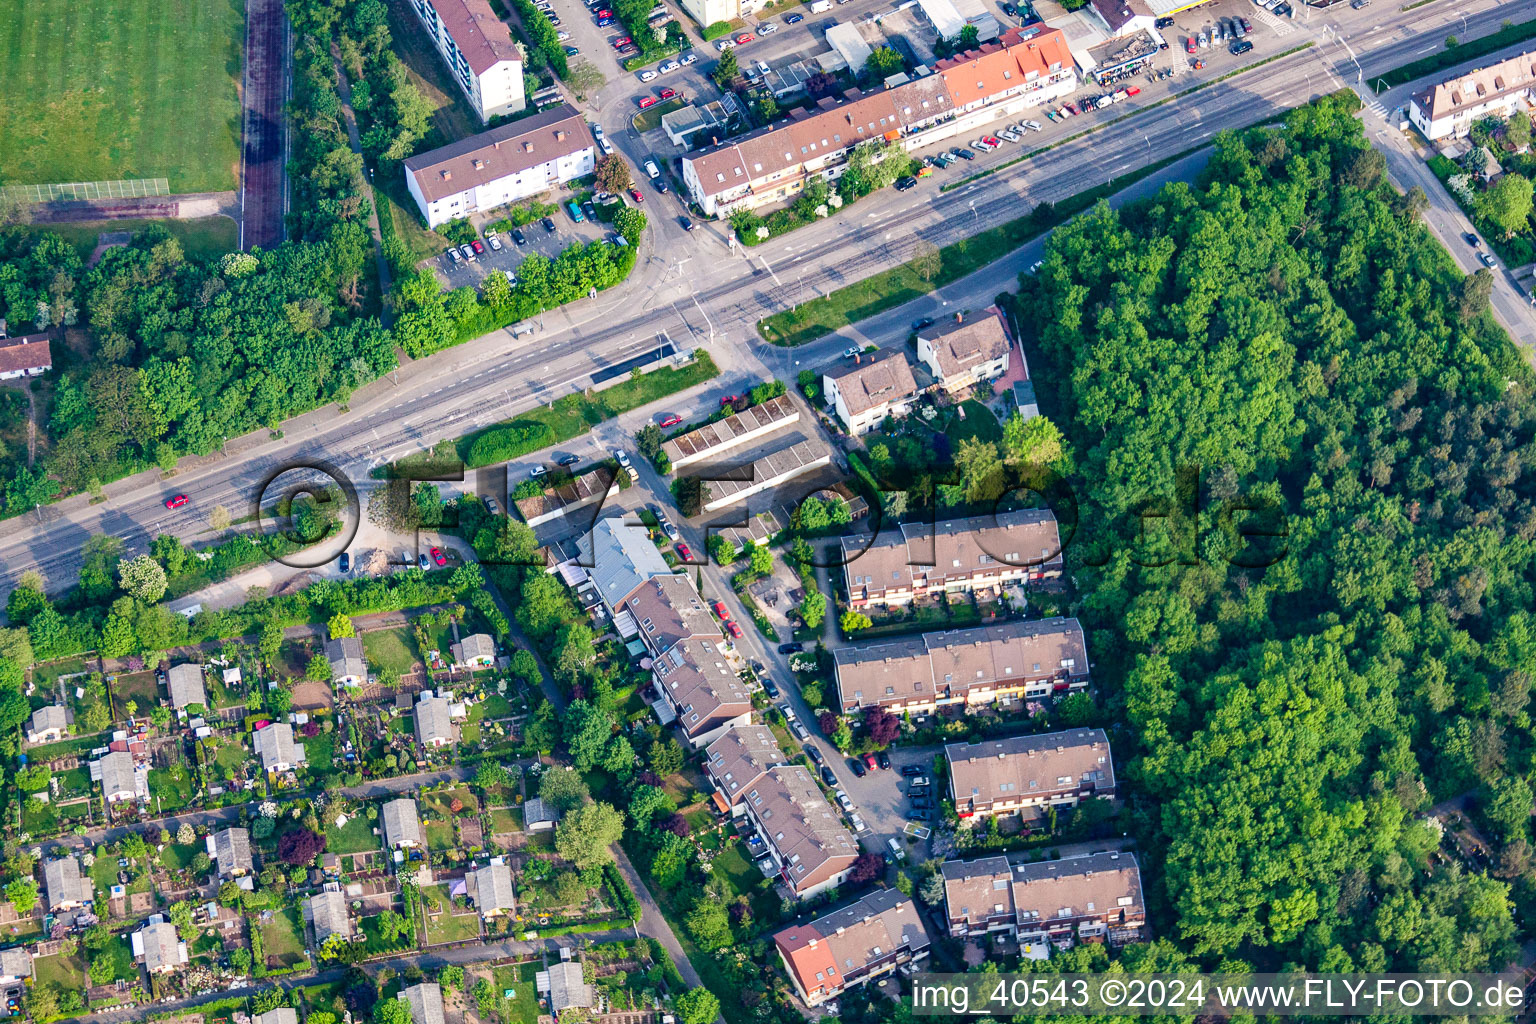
97,90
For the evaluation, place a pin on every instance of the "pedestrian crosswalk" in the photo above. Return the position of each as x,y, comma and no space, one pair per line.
1282,26
1375,107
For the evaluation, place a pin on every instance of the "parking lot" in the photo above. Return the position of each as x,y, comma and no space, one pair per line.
538,238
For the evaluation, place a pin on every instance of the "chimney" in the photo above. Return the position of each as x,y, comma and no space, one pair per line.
560,135
479,165
527,147
858,357
447,175
959,318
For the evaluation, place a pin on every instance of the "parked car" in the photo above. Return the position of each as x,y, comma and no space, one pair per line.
590,211
791,648
549,224
647,75
922,803
1247,25
965,154
919,782
493,241
562,36
884,760
668,94
734,628
344,563
725,44
537,471
454,259
176,501
634,194
622,41
722,611
1487,258
801,732
1473,240
491,506
911,769
794,19
467,253
896,850
769,687
668,66
917,815
1241,46
683,551
688,58
1189,44
571,51
1358,4
922,322
438,557
647,101
857,767
902,184
421,559
604,22
671,419
814,753
870,762
745,38
568,460
827,776
728,400
478,246
1162,23
684,221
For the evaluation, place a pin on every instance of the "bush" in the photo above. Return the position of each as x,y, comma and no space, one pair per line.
459,232
509,441
716,30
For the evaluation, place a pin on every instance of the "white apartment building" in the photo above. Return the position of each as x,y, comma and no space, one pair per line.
501,166
477,47
1448,110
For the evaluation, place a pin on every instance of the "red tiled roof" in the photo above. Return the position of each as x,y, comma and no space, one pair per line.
27,352
483,38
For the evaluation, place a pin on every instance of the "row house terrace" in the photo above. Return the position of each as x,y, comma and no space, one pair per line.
954,556
852,946
1087,899
999,664
1024,68
1024,773
809,845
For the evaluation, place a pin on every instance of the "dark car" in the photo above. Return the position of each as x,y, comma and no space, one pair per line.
794,19
589,210
902,184
857,767
916,815
519,237
1241,46
965,154
1163,22
549,225
1010,10
571,51
813,753
344,563
883,759
568,460
827,776
921,802
686,223
769,687
791,648
911,769
921,322
1473,240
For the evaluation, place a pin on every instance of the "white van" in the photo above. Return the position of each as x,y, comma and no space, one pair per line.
651,168
896,850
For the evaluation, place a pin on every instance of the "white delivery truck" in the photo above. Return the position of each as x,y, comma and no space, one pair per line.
652,170
821,6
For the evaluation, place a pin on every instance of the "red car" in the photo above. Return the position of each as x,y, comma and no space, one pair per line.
475,245
684,551
668,94
728,400
605,13
621,42
671,420
745,37
733,628
437,556
634,194
722,611
647,101
1189,44
177,501
869,759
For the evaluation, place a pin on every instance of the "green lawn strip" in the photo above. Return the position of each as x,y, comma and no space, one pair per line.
390,650
524,1005
202,239
450,924
1453,55
577,414
439,835
902,284
978,423
120,954
68,972
121,90
282,936
355,837
506,819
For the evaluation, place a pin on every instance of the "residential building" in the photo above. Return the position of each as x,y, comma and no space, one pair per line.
49,724
63,885
852,946
186,686
231,851
491,889
623,559
738,761
1089,898
708,12
704,693
434,724
663,612
478,49
27,355
966,350
955,556
426,1003
999,664
275,747
867,390
281,1015
119,777
567,987
807,841
158,945
714,439
539,816
1023,69
1449,109
477,650
326,912
348,668
402,825
15,965
506,164
1024,773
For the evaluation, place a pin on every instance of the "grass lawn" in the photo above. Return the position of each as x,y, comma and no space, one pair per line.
283,936
439,834
507,819
68,972
524,1004
75,782
38,816
389,650
104,874
892,288
171,794
373,937
649,119
47,676
231,754
356,837
494,706
979,422
177,857
449,926
118,89
576,414
121,954
441,801
204,238
320,751
139,687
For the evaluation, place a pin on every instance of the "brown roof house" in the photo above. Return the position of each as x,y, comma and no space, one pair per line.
703,693
966,350
1000,664
517,160
477,650
738,761
1449,109
1089,898
852,946
870,388
665,611
1024,773
807,841
158,945
27,355
478,49
49,724
955,556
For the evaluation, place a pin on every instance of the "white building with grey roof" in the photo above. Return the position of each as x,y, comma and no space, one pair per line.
15,965
402,825
186,685
280,1015
426,1003
478,650
231,851
434,720
623,559
49,724
348,667
64,886
119,777
491,889
159,946
276,748
567,987
326,913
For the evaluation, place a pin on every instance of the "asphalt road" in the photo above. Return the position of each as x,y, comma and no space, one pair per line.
703,294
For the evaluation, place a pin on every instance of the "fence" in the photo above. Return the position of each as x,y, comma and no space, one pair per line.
129,188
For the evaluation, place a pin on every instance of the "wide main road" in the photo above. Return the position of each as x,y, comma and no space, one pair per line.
711,296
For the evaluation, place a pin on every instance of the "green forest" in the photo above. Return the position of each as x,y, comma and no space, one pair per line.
1287,332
